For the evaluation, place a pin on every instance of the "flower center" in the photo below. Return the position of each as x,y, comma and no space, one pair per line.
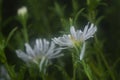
37,59
75,41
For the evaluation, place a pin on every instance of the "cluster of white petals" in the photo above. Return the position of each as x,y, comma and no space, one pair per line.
41,53
76,37
64,41
85,34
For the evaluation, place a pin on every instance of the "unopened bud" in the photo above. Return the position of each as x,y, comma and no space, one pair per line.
22,11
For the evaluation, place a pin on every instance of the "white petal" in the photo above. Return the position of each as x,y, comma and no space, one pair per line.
29,50
63,41
82,51
85,30
23,56
41,63
51,49
55,53
73,32
41,45
58,41
90,33
45,45
79,34
37,47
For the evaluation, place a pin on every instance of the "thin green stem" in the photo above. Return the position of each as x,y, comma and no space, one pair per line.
25,32
74,60
43,76
9,69
11,74
74,70
77,15
105,61
107,66
87,70
61,69
5,63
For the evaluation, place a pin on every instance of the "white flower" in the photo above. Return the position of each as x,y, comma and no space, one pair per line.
42,52
22,11
76,36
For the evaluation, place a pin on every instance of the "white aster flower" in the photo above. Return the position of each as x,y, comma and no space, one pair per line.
22,11
76,36
42,52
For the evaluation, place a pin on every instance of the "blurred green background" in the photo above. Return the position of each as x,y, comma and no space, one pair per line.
47,18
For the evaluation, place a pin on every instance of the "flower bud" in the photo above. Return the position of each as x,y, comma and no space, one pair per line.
22,11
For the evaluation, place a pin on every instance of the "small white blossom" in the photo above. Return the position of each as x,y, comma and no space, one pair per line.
42,52
22,11
76,36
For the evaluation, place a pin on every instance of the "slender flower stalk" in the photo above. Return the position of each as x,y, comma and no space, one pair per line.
40,54
22,17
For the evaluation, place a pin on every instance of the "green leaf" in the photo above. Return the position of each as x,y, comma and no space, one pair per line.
77,15
10,35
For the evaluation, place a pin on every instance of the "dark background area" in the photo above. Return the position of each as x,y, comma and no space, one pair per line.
110,25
